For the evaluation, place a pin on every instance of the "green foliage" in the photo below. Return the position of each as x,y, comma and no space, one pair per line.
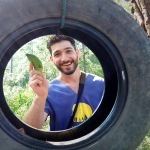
145,145
125,4
88,62
19,99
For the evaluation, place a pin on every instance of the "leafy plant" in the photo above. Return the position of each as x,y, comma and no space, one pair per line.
19,99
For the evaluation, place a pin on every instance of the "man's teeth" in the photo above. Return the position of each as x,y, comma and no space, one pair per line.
67,64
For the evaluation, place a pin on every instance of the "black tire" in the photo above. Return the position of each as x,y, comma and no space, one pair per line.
122,120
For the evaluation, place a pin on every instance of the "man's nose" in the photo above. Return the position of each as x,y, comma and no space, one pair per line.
63,57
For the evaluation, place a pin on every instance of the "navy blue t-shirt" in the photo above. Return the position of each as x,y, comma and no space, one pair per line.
61,101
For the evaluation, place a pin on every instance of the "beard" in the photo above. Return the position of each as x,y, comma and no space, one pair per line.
68,71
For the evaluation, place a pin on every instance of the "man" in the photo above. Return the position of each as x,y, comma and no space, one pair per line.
58,99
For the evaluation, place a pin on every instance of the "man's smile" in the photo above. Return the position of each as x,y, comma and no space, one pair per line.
66,64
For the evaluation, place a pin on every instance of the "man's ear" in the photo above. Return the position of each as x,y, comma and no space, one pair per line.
78,52
51,58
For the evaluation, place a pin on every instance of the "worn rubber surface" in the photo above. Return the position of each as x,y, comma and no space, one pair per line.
133,122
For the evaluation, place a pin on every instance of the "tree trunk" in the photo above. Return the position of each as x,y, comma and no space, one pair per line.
141,12
84,65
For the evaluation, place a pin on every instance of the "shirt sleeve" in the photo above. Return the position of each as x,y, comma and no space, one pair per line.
47,108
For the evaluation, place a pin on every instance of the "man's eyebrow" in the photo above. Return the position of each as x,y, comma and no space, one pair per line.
68,48
57,51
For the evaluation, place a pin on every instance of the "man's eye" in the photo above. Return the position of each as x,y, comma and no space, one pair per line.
55,55
68,51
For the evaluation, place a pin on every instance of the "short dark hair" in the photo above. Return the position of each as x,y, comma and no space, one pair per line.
58,38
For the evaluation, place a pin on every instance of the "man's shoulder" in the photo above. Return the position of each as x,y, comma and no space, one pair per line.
94,82
53,81
94,77
54,86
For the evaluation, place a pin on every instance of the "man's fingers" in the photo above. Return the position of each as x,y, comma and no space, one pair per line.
35,72
35,83
30,66
36,76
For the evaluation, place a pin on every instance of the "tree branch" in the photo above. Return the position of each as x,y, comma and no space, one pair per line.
145,15
137,14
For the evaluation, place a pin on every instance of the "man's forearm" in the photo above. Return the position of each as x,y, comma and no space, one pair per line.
35,114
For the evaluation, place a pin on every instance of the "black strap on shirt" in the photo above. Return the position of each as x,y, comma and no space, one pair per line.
81,87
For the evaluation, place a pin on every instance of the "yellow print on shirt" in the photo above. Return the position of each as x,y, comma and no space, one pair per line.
83,112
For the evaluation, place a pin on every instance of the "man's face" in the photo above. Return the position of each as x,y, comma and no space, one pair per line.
65,57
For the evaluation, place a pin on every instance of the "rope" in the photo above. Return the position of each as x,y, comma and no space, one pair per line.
63,13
